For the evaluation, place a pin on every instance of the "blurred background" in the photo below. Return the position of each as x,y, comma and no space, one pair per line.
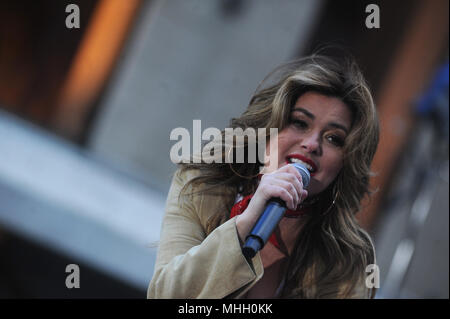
86,113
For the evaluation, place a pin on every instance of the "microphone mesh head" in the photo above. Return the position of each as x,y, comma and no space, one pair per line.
304,172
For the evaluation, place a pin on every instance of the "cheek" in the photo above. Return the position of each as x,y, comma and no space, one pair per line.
283,143
330,170
334,171
332,166
286,140
278,150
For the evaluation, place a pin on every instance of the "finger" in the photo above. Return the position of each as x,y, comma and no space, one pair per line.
303,196
292,170
271,188
286,196
291,178
290,187
289,183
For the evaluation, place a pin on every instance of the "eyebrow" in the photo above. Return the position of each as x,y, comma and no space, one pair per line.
312,117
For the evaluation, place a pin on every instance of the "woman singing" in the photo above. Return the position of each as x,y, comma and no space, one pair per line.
326,120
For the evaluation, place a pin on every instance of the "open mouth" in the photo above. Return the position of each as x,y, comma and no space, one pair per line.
310,165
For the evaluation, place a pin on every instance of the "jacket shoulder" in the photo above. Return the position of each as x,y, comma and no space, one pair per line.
205,200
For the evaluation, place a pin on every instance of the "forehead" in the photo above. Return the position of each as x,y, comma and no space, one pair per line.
325,108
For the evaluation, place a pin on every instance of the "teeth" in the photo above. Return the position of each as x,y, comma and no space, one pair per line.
296,160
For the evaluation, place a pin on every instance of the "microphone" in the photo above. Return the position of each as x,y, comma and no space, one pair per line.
269,219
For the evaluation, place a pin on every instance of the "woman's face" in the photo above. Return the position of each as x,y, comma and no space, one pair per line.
315,135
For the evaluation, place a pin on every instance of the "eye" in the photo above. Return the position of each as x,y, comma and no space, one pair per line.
335,140
299,123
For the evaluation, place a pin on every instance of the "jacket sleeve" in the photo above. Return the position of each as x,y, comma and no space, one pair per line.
191,265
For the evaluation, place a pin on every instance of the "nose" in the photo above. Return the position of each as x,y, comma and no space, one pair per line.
311,144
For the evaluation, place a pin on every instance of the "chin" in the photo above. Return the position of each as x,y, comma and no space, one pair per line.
315,188
312,192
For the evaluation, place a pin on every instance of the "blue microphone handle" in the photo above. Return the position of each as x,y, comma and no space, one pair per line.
261,232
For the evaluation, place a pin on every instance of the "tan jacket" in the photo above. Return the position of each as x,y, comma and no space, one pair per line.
190,264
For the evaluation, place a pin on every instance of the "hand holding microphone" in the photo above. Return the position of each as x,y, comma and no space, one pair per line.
277,191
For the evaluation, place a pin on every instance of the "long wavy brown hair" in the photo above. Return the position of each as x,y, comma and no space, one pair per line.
332,250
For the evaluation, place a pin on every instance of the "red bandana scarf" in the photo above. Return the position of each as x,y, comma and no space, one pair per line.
240,206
